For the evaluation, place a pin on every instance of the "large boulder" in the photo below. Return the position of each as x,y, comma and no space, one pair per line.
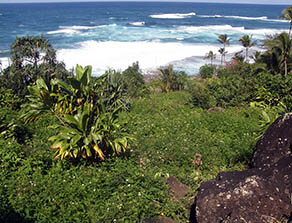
261,194
274,144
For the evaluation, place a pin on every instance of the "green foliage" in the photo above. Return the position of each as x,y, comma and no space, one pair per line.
118,88
170,135
225,40
113,90
134,81
246,42
233,87
116,191
8,99
86,129
287,15
172,80
278,56
170,132
242,84
207,71
211,55
10,127
32,58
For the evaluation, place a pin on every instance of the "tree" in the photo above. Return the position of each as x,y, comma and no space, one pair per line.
246,42
32,58
238,57
171,80
211,56
225,41
287,15
280,51
223,53
134,80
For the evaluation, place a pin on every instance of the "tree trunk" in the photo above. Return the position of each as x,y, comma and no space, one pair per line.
285,64
246,55
290,29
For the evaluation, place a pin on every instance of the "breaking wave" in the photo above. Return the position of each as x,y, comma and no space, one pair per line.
263,18
173,15
137,23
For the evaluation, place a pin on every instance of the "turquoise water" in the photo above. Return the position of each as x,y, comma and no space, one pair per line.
114,35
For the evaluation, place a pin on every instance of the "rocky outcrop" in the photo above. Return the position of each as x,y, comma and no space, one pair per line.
261,194
274,144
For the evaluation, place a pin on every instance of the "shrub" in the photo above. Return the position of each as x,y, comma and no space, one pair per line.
171,80
87,129
207,71
134,81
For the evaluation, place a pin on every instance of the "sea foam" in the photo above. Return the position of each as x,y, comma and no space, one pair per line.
173,15
137,23
209,28
63,31
119,55
78,27
70,30
263,18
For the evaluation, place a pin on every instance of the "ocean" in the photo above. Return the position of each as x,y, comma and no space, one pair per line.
113,35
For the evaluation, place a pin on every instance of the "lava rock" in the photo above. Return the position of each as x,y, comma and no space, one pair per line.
261,194
274,144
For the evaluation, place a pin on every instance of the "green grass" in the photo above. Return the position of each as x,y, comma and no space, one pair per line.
169,132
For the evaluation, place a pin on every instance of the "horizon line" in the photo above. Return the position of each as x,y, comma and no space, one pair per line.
135,1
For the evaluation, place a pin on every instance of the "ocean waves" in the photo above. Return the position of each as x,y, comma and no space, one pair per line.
117,46
261,18
119,55
140,31
137,23
173,15
108,35
71,30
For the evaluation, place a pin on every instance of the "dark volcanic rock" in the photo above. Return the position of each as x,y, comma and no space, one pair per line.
262,194
274,144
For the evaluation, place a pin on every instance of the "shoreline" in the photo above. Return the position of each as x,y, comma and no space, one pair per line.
190,65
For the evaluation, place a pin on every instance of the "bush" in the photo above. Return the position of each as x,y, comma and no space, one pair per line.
207,71
234,86
87,128
171,80
134,81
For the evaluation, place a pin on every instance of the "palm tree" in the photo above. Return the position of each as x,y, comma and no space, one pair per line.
247,43
168,77
256,56
225,41
287,15
223,53
281,46
211,56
